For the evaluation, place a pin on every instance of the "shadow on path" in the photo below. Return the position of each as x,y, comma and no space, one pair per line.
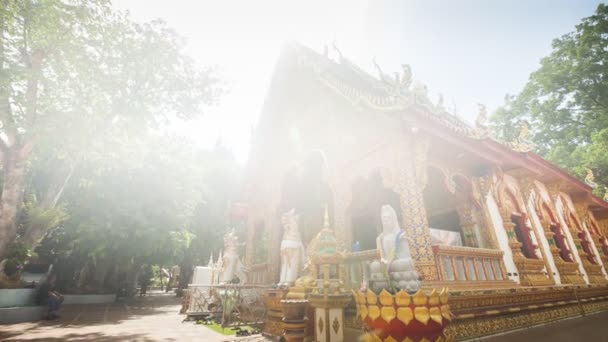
593,327
151,318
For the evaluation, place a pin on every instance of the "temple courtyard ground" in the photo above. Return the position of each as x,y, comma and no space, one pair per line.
155,318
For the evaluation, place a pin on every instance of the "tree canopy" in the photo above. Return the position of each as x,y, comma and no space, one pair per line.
78,79
566,100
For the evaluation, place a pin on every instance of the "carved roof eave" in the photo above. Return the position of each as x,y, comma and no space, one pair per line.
410,107
406,105
377,98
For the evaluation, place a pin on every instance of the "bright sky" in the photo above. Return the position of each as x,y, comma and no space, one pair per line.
471,51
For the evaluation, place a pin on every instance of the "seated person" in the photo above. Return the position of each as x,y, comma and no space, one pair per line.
47,294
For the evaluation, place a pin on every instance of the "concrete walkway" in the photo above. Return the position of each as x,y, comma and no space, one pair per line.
593,327
155,318
151,318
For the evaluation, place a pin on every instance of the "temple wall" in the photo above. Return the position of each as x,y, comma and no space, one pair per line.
501,235
559,206
544,244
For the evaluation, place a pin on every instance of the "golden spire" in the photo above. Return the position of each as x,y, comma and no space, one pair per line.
326,218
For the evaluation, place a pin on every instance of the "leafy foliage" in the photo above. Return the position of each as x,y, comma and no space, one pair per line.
82,87
146,209
566,100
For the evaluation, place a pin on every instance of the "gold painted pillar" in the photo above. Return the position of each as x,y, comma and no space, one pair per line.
251,242
482,186
275,234
409,182
342,219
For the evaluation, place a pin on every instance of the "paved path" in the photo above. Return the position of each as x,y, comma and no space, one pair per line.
153,318
592,327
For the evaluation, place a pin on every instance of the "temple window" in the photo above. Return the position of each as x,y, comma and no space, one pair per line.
560,242
585,243
522,232
449,214
368,196
602,239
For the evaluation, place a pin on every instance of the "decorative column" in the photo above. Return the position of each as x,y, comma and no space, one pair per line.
342,221
482,186
250,244
409,182
275,232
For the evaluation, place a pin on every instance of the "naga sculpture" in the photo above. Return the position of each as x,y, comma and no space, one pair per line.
590,179
523,143
231,263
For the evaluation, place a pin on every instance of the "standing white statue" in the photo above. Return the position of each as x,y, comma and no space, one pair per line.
231,263
293,255
395,256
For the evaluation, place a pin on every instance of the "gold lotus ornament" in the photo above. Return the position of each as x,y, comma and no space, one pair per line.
390,339
405,315
371,298
443,296
386,298
434,298
421,314
435,313
361,297
387,313
420,298
373,312
445,312
363,313
402,298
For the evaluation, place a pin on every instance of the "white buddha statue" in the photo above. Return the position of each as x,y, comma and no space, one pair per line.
293,255
395,257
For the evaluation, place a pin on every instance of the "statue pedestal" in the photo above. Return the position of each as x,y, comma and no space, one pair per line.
294,319
329,316
273,326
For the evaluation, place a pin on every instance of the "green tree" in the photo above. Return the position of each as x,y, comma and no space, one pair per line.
566,100
162,203
75,77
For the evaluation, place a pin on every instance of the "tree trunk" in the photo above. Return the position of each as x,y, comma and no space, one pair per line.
160,273
33,234
13,162
132,276
101,270
82,277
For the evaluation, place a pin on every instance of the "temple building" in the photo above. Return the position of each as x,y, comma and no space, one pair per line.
515,239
